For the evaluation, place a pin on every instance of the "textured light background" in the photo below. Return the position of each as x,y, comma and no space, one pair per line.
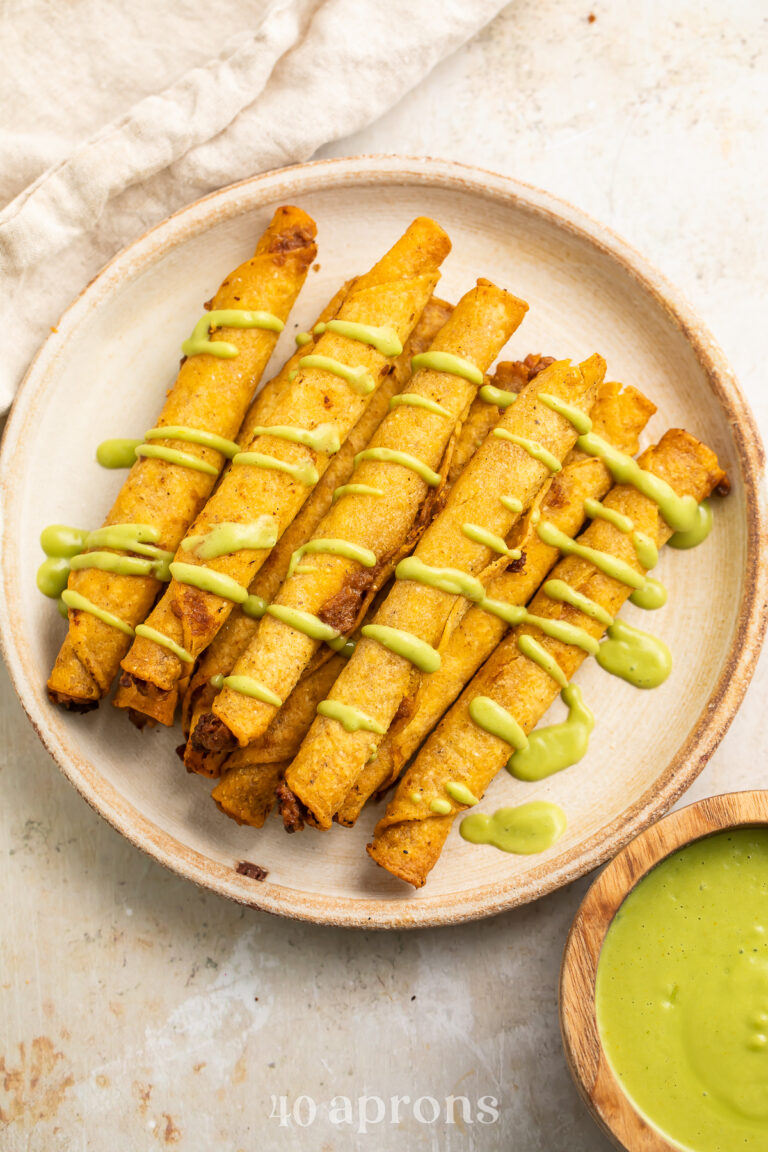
139,1013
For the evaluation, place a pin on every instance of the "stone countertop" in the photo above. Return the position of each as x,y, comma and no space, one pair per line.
139,1012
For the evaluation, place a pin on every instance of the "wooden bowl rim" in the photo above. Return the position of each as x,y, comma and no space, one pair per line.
716,715
621,1120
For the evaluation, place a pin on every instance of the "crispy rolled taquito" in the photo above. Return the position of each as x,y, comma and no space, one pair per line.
509,376
619,417
246,793
251,775
212,394
370,523
409,838
220,656
499,483
282,464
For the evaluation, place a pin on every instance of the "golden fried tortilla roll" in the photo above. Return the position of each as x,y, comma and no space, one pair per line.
282,464
409,838
501,481
369,523
220,656
251,775
247,793
509,378
269,395
211,394
619,417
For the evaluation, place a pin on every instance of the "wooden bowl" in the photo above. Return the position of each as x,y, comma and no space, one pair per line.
103,372
587,1060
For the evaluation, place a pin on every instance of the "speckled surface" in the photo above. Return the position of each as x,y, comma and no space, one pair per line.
138,1012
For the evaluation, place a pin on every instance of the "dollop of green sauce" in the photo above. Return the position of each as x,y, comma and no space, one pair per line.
699,530
524,830
120,452
682,994
558,746
637,657
652,595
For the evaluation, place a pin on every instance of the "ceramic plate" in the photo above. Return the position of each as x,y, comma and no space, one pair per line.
104,373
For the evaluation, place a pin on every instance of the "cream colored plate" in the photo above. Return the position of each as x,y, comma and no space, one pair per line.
104,372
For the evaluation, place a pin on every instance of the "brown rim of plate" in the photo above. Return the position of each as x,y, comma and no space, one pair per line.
286,185
589,1066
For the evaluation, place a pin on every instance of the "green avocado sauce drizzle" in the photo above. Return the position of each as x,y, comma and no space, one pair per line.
355,490
302,339
147,633
351,719
81,603
247,686
122,453
539,655
557,746
199,341
174,456
578,419
699,530
67,548
680,512
218,584
305,622
324,438
645,549
444,579
422,655
537,451
359,379
610,565
564,594
305,473
524,830
643,660
490,394
334,547
119,452
596,510
440,806
496,721
460,793
652,595
228,537
447,362
490,540
512,504
392,456
384,339
413,400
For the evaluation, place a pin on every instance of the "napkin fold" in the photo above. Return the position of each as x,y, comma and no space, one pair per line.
305,72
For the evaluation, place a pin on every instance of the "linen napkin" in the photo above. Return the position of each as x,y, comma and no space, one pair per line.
246,87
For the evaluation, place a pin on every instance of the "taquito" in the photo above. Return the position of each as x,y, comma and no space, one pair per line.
619,417
220,656
281,465
409,838
500,482
509,376
211,394
250,775
371,521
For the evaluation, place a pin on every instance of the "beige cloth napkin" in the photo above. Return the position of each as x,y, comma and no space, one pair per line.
115,115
